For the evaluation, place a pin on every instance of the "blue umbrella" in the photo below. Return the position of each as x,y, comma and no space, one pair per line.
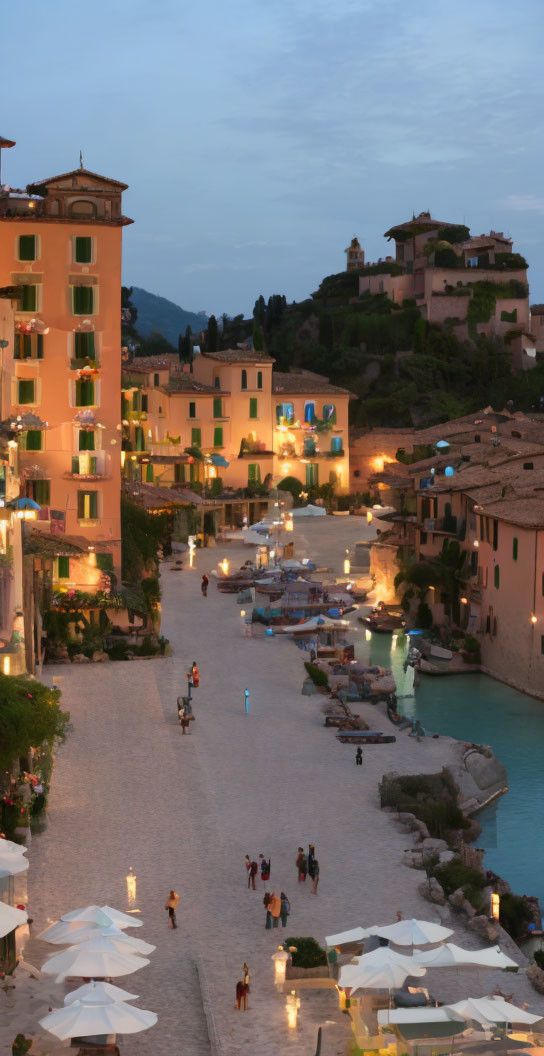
23,503
218,460
442,444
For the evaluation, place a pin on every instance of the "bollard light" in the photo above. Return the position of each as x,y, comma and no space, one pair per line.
368,517
292,1005
224,566
280,958
347,566
131,887
495,906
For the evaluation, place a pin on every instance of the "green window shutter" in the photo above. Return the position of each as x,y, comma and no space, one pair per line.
312,475
253,407
139,438
196,437
514,549
80,505
179,473
87,505
84,346
136,401
329,413
86,440
83,250
497,577
193,473
244,379
192,409
104,562
217,407
254,473
75,464
34,440
27,247
29,299
27,390
64,567
149,473
259,379
84,393
41,492
93,465
144,401
83,300
39,346
218,436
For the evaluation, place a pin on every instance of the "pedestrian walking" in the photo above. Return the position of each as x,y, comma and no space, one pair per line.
253,870
311,860
204,586
359,757
265,868
195,675
285,909
172,903
315,876
247,863
301,865
275,908
266,904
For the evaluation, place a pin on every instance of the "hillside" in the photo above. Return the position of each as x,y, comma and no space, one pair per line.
162,315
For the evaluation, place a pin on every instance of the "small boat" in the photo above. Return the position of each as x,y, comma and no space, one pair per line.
383,622
364,737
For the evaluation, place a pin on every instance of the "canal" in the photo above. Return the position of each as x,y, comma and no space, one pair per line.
476,708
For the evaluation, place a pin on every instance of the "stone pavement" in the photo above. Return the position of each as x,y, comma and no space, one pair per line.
130,791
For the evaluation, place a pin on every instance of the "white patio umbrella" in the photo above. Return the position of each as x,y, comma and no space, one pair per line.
94,993
412,932
383,969
95,964
492,1010
427,1014
12,864
9,847
80,1020
103,915
67,932
450,954
10,918
343,937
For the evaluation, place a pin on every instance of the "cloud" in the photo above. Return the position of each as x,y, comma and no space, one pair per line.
523,203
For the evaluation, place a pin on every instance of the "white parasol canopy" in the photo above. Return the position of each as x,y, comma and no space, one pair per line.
81,1020
315,623
101,964
65,932
427,1014
450,954
103,915
94,993
10,918
310,511
492,1010
383,969
12,864
343,937
412,932
9,847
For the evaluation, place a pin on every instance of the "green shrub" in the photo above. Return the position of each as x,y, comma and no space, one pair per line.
539,958
292,485
456,874
424,616
29,715
118,651
147,648
309,954
515,915
318,677
430,797
38,804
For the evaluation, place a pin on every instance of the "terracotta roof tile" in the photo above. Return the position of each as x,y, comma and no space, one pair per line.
304,382
239,355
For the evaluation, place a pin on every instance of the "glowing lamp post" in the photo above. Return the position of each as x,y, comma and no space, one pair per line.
369,517
292,1005
495,906
131,887
281,960
224,566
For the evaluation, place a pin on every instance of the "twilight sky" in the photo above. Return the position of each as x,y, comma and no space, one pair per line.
258,136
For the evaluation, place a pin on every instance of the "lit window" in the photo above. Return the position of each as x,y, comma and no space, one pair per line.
87,505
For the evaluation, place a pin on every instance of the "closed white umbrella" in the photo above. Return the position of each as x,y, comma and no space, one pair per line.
10,918
343,937
450,954
80,1020
412,932
103,915
94,993
383,969
95,964
12,864
69,932
492,1010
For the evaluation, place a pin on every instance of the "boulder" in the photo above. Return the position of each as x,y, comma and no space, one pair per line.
535,976
100,658
457,898
446,856
434,845
80,658
485,928
432,891
407,819
421,828
413,859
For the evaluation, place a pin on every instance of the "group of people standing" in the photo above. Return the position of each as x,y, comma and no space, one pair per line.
308,865
277,908
252,869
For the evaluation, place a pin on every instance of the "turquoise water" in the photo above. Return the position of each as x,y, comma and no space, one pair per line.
477,708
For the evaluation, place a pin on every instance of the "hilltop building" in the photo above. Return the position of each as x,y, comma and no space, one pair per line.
355,255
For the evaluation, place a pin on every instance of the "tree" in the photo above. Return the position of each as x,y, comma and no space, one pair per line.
212,344
30,715
258,338
187,346
259,310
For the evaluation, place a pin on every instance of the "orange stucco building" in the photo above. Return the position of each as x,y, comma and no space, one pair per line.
60,252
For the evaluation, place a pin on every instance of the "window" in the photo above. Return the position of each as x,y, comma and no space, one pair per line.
29,299
312,475
254,473
82,300
495,534
27,247
28,346
285,410
192,409
309,412
217,382
149,473
144,402
244,379
84,465
329,413
542,644
196,437
218,436
309,446
26,390
40,491
259,379
84,346
34,440
473,563
87,505
217,407
63,570
86,440
85,393
104,562
136,401
139,438
83,250
336,444
497,577
156,380
179,473
514,549
253,408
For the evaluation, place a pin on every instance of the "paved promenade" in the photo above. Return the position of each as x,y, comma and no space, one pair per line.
129,790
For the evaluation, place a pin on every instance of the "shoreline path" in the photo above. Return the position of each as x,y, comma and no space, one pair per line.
130,791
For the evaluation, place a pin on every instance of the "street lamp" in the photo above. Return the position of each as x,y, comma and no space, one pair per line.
281,959
292,1005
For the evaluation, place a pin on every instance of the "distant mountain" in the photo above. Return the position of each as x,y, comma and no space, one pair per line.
157,313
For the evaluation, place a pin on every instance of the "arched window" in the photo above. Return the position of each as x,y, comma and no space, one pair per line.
329,413
244,379
83,208
309,412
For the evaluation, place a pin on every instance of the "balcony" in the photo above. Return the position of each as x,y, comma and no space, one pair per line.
84,362
87,467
